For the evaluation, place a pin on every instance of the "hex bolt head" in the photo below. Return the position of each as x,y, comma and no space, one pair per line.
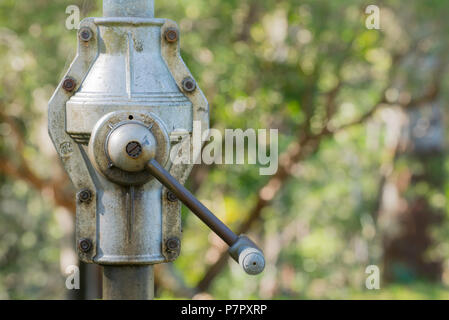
85,196
188,84
69,84
85,34
171,197
173,244
85,245
171,35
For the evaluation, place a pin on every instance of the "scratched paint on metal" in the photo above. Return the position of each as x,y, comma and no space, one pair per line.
172,210
72,154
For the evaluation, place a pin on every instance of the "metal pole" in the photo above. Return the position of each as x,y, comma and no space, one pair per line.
128,283
128,8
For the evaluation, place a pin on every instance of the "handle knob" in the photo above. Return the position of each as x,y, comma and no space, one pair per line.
248,255
252,261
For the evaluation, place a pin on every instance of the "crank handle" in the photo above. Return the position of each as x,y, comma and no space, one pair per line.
242,249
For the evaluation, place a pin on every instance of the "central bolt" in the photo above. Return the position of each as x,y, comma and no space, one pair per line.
134,149
130,146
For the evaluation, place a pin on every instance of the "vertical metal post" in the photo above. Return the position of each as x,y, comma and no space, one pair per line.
128,283
128,8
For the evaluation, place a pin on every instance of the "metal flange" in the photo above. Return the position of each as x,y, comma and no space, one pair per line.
98,152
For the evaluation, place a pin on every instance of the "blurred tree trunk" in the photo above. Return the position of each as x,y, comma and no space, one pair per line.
408,213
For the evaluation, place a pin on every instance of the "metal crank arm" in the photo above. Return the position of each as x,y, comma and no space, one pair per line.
242,249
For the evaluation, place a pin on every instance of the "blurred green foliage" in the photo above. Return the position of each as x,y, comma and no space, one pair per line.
261,64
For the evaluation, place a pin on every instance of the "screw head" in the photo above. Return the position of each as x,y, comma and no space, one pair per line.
85,34
171,196
69,84
85,245
173,244
134,149
188,84
171,35
85,196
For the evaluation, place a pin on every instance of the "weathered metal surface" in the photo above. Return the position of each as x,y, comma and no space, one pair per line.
73,155
128,283
172,210
127,8
128,96
128,63
130,213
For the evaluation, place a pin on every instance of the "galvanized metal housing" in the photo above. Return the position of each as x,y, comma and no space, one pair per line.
127,66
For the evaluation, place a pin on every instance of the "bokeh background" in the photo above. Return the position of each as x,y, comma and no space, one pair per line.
362,178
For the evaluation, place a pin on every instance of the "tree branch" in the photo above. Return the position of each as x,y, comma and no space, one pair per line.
306,145
21,169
